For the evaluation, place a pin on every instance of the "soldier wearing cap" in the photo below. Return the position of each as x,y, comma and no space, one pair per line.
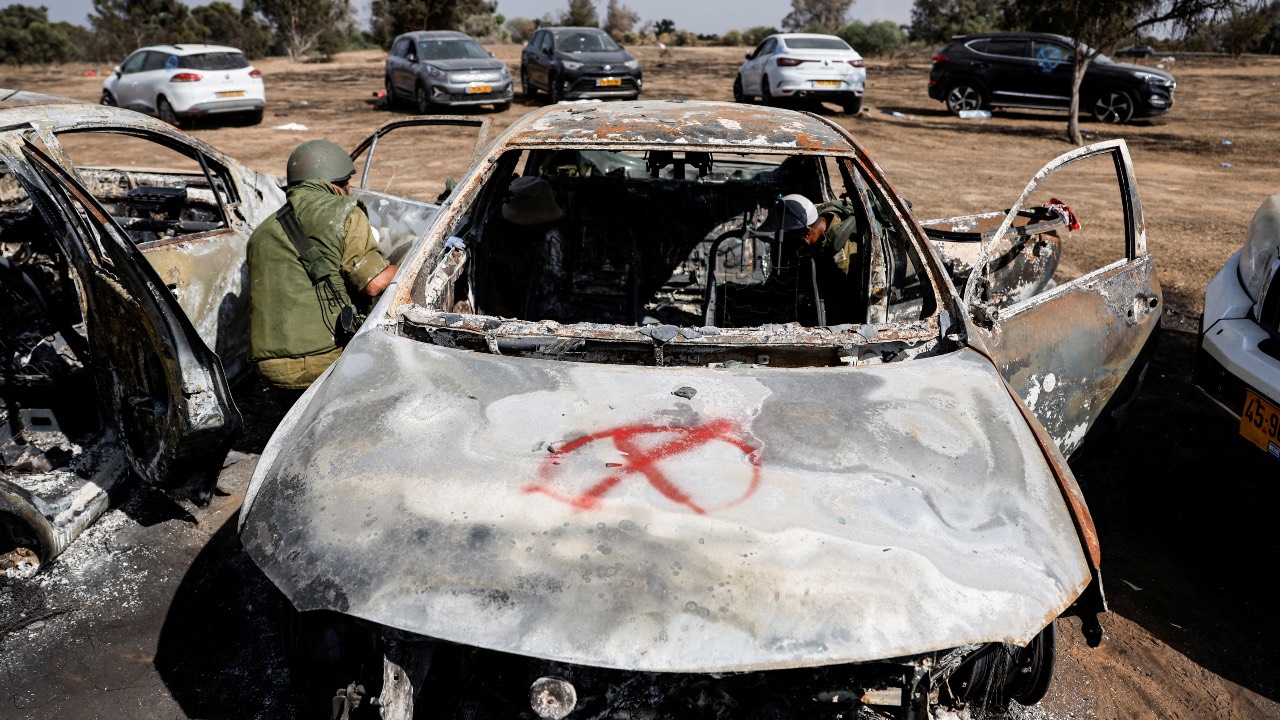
300,282
532,240
830,230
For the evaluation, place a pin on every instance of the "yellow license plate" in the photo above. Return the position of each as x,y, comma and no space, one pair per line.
608,82
827,83
1260,423
231,93
473,89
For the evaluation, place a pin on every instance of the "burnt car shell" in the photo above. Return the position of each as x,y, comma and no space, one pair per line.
640,497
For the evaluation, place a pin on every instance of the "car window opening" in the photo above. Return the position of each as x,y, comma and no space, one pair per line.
674,239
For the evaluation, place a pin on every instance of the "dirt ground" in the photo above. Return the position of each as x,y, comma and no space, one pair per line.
1185,509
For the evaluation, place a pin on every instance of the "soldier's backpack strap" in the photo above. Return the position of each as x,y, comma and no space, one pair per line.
308,254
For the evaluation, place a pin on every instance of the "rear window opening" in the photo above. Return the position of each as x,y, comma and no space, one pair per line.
672,248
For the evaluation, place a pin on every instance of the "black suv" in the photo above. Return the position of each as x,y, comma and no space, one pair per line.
1033,70
578,62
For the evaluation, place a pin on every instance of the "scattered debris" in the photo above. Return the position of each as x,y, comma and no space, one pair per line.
1225,165
292,127
1126,582
980,115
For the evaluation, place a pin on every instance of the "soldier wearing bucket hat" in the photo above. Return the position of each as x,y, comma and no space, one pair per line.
306,262
532,247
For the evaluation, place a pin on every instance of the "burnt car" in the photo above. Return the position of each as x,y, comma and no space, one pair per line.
123,282
669,465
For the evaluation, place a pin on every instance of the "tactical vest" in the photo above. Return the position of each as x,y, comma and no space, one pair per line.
289,316
841,241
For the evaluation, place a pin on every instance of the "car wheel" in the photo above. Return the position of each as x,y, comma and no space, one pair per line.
962,96
165,112
852,105
390,94
422,101
108,99
556,93
738,96
502,106
253,117
526,90
766,95
989,679
1113,106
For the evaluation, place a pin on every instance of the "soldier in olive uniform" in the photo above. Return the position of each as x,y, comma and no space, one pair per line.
829,234
301,279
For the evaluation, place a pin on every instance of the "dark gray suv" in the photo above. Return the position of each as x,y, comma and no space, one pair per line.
578,62
444,67
1034,70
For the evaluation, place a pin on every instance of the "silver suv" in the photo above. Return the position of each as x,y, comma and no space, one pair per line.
445,67
174,82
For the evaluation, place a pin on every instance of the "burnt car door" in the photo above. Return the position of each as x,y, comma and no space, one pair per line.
403,188
158,384
1074,346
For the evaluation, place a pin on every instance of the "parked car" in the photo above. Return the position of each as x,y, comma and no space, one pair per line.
1238,362
126,307
802,66
570,63
177,82
1138,51
660,462
1034,70
445,68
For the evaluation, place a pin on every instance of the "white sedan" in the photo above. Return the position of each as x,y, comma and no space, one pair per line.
802,65
1238,363
173,82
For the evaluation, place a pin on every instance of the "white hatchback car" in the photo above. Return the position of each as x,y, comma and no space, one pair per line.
1238,363
173,82
802,65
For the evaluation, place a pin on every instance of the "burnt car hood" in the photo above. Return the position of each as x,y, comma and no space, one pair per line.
665,519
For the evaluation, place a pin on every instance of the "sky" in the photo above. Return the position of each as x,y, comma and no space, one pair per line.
700,16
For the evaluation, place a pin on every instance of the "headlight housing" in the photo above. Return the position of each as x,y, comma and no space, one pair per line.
631,64
433,71
572,65
504,72
1153,79
1261,247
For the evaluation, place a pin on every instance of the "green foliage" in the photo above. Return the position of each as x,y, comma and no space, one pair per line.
308,27
665,26
619,20
392,17
27,36
824,16
733,38
882,37
756,35
936,21
520,29
224,24
122,26
580,13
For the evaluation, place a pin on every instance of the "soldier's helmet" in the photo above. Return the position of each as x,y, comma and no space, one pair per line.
319,159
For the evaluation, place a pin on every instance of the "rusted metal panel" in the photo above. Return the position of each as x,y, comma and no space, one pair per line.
590,513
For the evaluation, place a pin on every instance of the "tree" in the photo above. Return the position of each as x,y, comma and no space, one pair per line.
1242,28
27,36
1098,26
939,20
308,26
756,35
665,26
619,19
393,17
520,28
580,13
816,15
882,37
121,26
224,24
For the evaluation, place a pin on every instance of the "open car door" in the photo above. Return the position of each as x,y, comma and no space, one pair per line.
1071,344
404,172
157,382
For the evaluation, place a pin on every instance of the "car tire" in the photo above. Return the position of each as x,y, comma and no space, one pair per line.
502,106
422,100
165,112
852,105
738,95
766,95
389,94
963,96
253,117
553,89
527,91
1114,107
108,99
